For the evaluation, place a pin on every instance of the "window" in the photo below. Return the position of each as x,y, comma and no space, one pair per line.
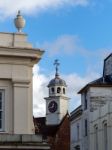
85,100
105,137
96,137
58,90
77,147
1,110
77,131
52,90
86,127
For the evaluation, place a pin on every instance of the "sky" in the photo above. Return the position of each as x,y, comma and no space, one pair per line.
76,32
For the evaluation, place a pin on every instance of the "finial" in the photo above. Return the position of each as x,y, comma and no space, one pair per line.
56,63
19,13
19,21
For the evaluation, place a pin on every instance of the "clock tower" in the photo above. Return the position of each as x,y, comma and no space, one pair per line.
57,102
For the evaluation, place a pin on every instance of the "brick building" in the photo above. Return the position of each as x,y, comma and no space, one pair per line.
61,139
57,136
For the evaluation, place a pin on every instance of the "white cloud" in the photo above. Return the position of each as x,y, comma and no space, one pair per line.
74,81
72,44
10,7
40,82
67,44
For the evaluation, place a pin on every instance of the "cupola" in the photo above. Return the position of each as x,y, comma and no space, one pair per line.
57,86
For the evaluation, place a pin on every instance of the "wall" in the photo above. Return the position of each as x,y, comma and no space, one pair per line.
17,58
61,140
75,136
102,102
85,116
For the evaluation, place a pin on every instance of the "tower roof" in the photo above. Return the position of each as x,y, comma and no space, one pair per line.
57,81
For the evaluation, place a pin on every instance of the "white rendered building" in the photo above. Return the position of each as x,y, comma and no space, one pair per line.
96,117
57,101
17,58
75,124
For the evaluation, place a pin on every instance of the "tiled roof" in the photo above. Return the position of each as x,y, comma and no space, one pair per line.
46,130
42,128
76,113
103,81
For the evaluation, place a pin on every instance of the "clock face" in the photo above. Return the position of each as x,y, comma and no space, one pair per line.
52,106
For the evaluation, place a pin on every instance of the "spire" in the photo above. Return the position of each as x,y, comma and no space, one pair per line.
19,22
56,63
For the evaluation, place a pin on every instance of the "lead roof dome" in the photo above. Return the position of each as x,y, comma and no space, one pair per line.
57,81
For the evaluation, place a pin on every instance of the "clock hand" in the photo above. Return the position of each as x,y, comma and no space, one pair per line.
52,106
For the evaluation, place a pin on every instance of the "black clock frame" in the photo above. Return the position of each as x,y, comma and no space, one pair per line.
52,107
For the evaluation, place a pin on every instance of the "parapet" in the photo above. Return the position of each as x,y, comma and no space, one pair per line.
14,40
21,141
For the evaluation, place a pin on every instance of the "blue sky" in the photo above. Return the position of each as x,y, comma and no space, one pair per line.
77,32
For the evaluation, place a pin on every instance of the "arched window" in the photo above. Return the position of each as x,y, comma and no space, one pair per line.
85,100
52,90
77,131
2,98
96,136
105,135
58,90
86,127
63,90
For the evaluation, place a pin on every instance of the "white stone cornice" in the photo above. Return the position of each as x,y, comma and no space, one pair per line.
21,52
33,55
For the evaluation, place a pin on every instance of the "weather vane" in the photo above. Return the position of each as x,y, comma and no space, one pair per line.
56,63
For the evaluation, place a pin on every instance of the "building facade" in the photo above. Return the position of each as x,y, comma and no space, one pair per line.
96,106
17,57
75,126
